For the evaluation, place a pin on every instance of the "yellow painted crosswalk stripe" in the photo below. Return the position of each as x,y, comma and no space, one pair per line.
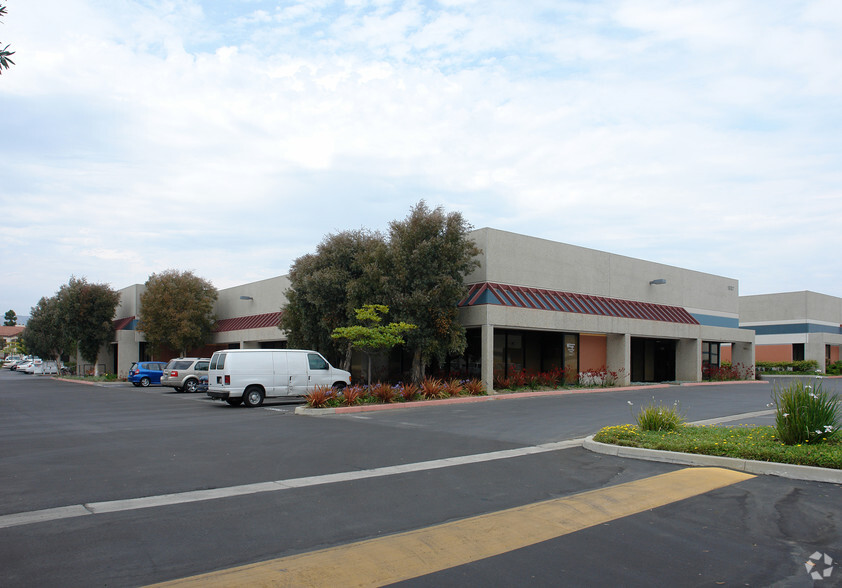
384,560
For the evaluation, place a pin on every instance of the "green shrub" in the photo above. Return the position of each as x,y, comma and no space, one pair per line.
805,413
834,369
807,366
657,417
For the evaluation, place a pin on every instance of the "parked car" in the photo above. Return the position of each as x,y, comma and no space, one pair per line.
10,360
203,384
34,365
146,373
183,373
24,365
13,365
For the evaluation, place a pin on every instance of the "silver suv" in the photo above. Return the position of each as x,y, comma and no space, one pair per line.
183,373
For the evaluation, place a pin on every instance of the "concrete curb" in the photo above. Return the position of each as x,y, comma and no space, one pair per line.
766,468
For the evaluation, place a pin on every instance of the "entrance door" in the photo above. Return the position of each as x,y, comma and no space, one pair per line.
652,360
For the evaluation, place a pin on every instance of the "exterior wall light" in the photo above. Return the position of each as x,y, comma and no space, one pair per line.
246,298
659,281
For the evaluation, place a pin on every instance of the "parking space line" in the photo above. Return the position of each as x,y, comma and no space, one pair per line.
399,557
39,516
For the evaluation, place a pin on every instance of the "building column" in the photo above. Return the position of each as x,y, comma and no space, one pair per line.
487,358
618,357
688,360
742,355
815,349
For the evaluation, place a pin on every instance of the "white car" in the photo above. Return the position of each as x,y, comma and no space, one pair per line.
22,367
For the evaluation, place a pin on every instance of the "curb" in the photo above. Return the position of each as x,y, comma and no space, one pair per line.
766,468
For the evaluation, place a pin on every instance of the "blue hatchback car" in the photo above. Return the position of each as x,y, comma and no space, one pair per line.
146,373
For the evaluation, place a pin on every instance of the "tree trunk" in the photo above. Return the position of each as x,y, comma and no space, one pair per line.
417,366
346,361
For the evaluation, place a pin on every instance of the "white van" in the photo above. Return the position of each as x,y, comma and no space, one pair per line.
250,375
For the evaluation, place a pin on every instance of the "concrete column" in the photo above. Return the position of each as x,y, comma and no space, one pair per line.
487,358
814,349
688,360
742,355
618,357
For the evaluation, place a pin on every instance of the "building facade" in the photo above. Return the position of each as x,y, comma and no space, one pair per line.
794,326
536,305
533,305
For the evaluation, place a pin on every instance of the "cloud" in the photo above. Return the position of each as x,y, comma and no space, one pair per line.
144,136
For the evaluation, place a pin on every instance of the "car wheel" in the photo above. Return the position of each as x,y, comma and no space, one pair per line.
253,396
234,401
190,385
144,381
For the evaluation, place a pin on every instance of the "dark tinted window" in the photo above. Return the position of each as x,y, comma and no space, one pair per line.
316,362
202,366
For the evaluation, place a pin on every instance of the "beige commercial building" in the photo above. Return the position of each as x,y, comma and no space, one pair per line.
794,326
533,305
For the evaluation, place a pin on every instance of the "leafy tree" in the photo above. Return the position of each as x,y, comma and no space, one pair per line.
326,287
11,319
4,52
46,333
372,337
176,310
88,314
430,253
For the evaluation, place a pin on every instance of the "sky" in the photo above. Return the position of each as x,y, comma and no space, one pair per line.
230,137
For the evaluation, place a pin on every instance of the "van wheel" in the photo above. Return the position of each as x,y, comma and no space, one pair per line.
234,401
340,386
190,385
253,396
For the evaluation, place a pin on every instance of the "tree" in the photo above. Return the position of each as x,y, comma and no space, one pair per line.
176,310
373,337
88,314
430,253
326,287
11,319
419,271
4,52
46,333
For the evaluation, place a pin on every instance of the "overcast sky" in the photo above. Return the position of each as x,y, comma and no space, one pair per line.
229,137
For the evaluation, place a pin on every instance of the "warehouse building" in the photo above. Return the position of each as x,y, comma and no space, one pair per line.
794,326
533,305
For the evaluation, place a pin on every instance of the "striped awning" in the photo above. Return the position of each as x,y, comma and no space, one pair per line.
255,321
124,323
541,299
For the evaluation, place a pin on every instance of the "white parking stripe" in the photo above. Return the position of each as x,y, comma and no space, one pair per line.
51,514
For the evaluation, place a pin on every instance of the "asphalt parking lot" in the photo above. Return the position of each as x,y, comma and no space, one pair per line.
155,486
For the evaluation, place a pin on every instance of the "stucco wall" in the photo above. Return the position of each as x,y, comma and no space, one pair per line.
790,306
510,258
